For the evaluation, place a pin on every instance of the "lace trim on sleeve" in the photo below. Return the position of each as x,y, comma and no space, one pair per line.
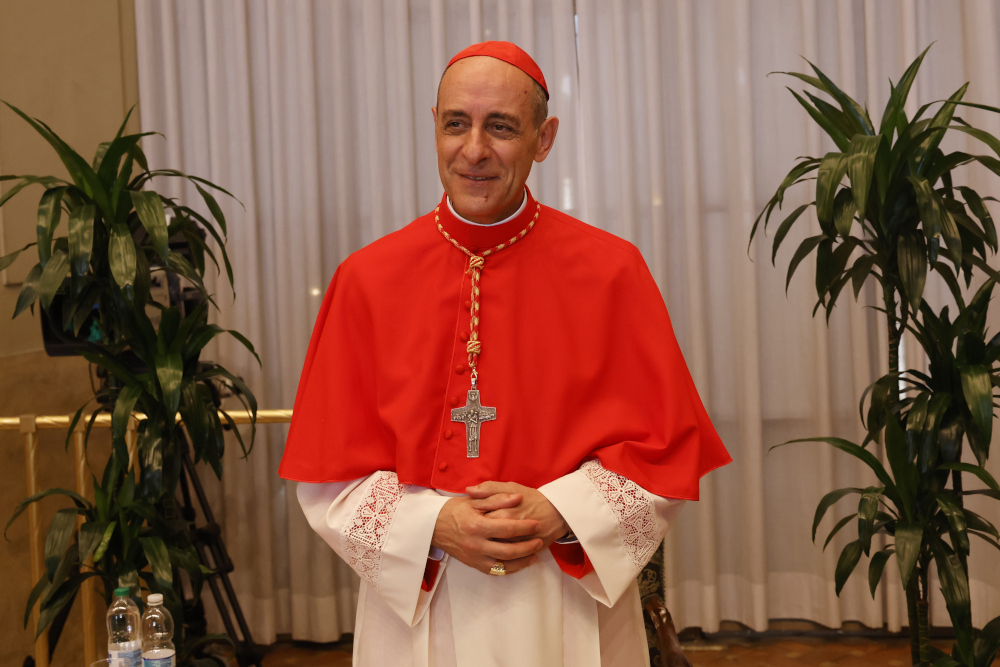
365,534
632,506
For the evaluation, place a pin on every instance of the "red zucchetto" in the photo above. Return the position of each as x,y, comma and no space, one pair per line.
509,53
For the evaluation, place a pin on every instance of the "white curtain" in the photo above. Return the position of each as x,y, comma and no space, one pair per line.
316,114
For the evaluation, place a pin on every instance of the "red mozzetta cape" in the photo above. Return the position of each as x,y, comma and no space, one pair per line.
579,359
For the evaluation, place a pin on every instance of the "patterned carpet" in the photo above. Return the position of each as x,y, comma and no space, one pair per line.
293,654
775,652
771,652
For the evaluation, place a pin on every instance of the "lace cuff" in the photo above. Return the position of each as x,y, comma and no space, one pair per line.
366,532
634,508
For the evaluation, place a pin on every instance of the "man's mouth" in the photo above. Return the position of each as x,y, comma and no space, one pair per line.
478,178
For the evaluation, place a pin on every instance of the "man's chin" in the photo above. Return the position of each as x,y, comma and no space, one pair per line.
474,207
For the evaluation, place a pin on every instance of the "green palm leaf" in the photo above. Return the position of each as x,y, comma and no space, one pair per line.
860,166
49,211
82,173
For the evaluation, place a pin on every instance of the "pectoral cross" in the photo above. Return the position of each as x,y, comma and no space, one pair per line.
473,414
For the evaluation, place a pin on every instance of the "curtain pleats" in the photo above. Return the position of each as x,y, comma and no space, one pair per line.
316,114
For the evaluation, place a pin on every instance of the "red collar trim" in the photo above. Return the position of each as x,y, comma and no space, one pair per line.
478,238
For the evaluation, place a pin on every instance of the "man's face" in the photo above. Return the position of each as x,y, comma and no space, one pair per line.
486,137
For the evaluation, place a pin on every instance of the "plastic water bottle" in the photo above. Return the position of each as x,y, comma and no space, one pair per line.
124,643
157,634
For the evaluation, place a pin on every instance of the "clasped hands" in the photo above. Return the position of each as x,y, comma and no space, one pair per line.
498,521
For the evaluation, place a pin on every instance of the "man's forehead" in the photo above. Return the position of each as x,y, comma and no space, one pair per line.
485,87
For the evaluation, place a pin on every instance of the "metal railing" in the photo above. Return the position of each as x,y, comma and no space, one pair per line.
29,425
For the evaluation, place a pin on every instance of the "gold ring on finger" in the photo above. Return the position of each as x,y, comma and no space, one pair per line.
498,569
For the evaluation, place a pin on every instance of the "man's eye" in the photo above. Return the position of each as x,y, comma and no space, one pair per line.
501,128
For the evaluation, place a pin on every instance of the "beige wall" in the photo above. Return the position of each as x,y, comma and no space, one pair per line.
72,64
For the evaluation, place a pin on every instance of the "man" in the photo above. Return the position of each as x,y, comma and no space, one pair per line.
495,426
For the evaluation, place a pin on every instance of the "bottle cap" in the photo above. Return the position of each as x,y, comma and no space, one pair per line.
154,598
122,592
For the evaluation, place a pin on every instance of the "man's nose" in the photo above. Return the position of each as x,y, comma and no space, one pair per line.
476,147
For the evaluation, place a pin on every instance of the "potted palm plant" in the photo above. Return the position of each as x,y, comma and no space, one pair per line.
121,237
887,224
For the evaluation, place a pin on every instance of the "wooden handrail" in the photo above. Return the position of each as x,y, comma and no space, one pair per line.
104,419
29,425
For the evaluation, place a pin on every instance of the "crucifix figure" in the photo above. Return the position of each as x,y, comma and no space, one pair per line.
473,414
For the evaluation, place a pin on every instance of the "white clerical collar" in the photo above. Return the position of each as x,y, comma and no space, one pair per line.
524,202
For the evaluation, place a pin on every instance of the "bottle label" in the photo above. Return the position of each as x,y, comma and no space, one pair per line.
132,658
159,660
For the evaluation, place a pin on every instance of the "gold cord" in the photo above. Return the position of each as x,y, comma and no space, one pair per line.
476,263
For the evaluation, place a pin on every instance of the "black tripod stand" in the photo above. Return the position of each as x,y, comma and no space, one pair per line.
213,554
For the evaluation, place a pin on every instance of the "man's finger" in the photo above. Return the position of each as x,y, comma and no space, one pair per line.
504,529
506,551
487,489
497,501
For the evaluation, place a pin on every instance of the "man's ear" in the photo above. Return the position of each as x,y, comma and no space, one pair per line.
546,137
434,112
